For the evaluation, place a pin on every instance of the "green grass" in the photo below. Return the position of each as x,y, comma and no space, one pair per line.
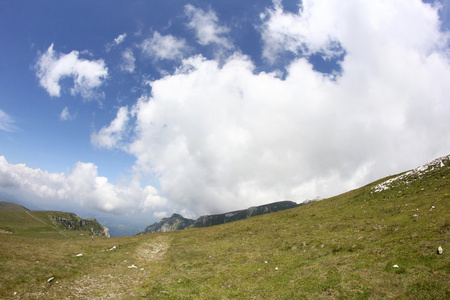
343,247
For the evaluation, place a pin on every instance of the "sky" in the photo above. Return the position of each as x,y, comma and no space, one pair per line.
130,111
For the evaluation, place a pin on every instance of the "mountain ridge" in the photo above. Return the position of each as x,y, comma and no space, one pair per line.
178,222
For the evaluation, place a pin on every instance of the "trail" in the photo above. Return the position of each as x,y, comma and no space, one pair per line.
35,217
121,280
43,222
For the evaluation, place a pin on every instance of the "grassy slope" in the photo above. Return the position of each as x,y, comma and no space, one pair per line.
11,206
342,247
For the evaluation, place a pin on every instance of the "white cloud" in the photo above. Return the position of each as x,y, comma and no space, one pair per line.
6,122
87,75
227,137
165,47
65,115
128,61
109,136
205,25
324,26
117,41
81,187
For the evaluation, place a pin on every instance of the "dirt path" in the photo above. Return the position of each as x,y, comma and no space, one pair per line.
117,281
43,222
35,217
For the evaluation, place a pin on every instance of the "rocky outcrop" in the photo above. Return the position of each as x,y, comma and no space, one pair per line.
210,220
175,222
73,222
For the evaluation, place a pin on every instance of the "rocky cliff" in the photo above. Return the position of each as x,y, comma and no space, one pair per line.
210,220
73,222
177,222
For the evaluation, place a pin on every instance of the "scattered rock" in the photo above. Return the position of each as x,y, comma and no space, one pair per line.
132,267
440,250
80,254
50,279
395,266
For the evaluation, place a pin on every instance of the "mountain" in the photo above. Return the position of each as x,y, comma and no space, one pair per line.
211,220
178,222
17,220
175,222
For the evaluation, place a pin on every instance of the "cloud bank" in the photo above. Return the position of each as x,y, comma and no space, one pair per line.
222,136
87,75
81,186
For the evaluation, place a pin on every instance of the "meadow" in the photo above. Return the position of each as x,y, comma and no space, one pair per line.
376,242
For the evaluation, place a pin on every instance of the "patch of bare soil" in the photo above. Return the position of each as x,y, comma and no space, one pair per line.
122,281
153,250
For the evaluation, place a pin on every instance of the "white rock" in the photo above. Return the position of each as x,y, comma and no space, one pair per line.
50,279
395,266
79,254
440,250
132,266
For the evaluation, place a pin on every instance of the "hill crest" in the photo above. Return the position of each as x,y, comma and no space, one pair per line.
4,205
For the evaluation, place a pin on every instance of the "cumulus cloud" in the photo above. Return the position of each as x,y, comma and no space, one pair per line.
128,61
165,47
109,136
326,26
87,75
205,24
6,122
82,187
228,137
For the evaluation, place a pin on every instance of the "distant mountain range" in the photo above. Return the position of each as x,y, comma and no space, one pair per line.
178,222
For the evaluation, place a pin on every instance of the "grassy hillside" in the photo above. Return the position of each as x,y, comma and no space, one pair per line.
343,247
11,206
42,224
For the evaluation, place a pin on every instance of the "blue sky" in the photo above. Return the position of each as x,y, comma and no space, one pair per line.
129,111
